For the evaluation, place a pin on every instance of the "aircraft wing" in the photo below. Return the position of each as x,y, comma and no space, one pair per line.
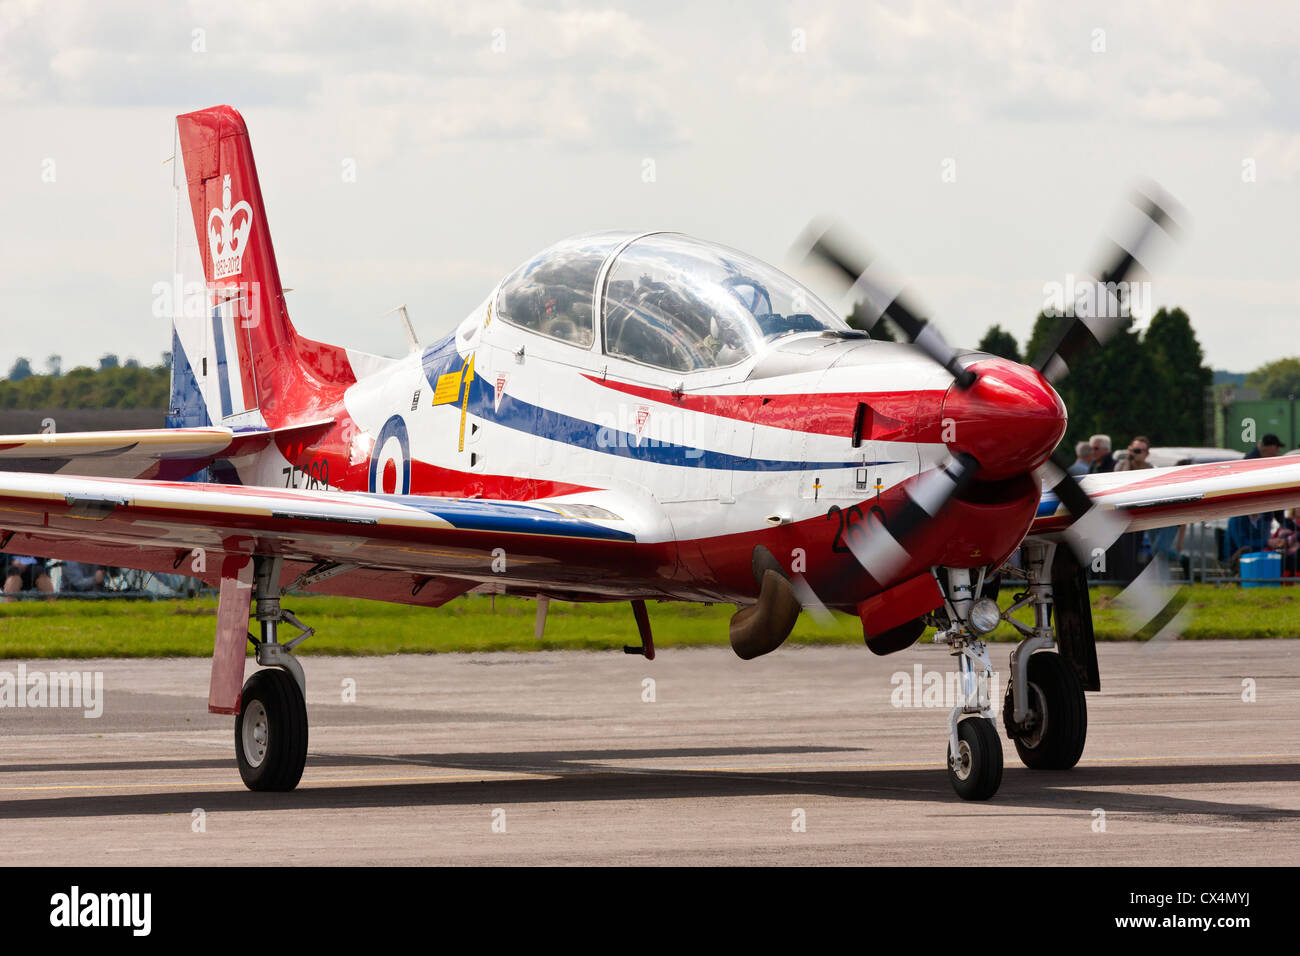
165,453
408,548
1159,497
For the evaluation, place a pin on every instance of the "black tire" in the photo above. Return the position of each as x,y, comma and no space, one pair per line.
275,750
980,772
1054,691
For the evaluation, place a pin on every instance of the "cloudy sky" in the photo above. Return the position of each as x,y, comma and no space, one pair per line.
982,149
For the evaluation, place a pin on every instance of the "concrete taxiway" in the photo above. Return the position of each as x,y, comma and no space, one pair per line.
1193,757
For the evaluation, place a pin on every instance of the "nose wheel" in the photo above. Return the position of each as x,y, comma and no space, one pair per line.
975,771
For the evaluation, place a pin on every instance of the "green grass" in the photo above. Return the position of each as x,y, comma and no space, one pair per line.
68,628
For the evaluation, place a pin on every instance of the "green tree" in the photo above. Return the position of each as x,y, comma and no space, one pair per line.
22,369
1178,404
1046,327
1106,389
1152,384
998,341
1277,379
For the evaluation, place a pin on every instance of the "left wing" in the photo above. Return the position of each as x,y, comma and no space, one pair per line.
409,548
1159,497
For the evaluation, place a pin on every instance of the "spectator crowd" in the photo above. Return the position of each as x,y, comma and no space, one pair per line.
1245,534
25,574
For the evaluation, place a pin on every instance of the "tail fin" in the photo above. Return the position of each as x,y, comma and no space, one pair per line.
237,358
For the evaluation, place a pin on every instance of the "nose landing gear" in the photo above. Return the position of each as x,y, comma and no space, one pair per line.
975,771
1044,712
974,750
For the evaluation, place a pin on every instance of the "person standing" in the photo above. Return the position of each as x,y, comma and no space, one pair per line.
1082,459
1270,446
1138,449
1123,554
1102,460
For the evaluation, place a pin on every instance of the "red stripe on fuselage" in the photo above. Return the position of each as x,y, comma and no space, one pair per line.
434,480
891,416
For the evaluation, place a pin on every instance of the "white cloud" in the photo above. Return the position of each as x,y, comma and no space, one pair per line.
468,159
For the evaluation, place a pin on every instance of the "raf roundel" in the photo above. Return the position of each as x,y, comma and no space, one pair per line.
390,463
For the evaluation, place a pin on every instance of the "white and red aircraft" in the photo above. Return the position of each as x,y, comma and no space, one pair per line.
627,416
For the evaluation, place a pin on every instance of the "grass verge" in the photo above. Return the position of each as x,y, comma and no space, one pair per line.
68,628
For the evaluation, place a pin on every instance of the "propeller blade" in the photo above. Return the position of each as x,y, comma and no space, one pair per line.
1094,529
881,548
811,603
882,301
1153,605
1096,319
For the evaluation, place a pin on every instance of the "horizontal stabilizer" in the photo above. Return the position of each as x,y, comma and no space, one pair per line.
161,453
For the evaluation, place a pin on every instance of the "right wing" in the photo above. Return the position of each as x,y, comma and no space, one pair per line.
1159,497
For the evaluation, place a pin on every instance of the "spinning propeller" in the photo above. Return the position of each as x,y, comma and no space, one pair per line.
1007,408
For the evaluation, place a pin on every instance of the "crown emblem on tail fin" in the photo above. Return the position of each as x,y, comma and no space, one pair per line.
228,243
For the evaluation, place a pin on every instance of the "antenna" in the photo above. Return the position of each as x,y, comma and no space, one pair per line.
411,338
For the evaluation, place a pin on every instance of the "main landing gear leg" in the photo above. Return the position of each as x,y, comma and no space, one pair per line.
1045,712
974,750
271,729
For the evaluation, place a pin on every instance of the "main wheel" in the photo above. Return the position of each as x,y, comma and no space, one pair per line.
1056,740
976,774
271,731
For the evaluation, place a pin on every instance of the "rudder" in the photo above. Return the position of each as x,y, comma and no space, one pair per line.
237,358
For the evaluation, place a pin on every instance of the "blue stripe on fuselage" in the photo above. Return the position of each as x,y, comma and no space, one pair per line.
468,514
442,358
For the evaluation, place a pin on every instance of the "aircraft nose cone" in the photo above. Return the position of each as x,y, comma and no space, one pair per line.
1010,419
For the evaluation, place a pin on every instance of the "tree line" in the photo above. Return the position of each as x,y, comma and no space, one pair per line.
114,384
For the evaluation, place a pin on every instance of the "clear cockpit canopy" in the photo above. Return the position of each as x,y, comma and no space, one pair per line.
552,293
682,304
668,301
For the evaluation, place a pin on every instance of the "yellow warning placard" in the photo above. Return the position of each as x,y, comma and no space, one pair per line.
448,388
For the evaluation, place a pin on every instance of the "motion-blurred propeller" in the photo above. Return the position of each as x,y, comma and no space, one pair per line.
882,548
882,302
1088,326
